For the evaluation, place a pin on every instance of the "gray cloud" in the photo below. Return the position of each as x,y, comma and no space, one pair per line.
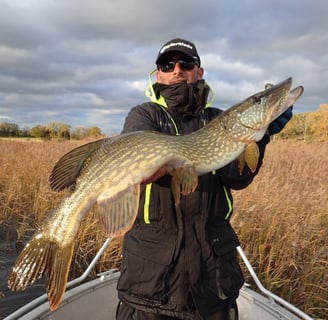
86,63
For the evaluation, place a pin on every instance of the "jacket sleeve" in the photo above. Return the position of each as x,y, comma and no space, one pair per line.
231,176
139,119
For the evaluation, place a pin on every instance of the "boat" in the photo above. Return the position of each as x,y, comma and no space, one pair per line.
97,299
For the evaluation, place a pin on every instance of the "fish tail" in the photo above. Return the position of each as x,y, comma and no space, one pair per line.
58,274
41,257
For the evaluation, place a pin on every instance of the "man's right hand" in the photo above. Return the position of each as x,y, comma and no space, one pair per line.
158,174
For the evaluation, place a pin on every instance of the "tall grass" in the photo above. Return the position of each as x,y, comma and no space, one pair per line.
282,222
281,218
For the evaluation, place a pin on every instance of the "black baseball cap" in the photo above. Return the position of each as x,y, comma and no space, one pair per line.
179,45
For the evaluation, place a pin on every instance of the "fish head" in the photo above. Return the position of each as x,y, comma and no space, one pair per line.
251,118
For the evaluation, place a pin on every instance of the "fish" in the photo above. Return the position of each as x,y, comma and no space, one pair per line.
109,172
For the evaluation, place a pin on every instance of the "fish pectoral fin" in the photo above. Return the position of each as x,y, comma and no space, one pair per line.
241,162
68,167
43,257
184,181
118,213
252,155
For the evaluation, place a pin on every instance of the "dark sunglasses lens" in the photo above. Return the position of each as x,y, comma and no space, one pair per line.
184,65
169,66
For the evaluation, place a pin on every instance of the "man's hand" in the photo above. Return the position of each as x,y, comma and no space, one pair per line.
277,125
158,174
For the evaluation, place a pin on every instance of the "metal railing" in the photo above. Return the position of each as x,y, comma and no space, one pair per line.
272,297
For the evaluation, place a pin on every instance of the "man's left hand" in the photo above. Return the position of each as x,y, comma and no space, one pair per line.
277,125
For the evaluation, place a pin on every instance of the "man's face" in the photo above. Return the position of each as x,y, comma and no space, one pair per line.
178,73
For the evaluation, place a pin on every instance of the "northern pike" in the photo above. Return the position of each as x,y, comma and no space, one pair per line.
109,171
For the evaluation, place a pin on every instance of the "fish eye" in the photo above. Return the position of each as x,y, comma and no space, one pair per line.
257,100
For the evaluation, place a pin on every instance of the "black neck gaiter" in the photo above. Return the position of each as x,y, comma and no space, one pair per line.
184,98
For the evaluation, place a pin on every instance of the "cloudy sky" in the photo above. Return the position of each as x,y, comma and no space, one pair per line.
86,63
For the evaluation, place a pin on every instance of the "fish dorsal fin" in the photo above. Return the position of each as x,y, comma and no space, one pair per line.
118,213
68,167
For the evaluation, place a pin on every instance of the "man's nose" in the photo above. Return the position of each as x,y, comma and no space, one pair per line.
177,68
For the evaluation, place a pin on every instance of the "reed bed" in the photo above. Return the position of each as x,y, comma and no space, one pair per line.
281,218
282,222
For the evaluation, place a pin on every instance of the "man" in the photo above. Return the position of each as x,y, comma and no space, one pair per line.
181,262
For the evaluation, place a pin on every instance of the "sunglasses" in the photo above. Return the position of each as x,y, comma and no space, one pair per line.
170,65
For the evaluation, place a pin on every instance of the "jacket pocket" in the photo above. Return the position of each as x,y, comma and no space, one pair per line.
146,265
229,277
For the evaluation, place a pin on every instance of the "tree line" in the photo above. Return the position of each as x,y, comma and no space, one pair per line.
307,126
51,131
303,126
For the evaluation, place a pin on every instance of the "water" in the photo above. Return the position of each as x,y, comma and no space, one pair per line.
9,300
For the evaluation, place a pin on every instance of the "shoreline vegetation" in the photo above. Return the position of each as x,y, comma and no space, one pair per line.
281,218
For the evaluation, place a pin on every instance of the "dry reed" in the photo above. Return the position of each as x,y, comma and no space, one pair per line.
281,218
282,222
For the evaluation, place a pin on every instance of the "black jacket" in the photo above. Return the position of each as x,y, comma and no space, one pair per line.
179,259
